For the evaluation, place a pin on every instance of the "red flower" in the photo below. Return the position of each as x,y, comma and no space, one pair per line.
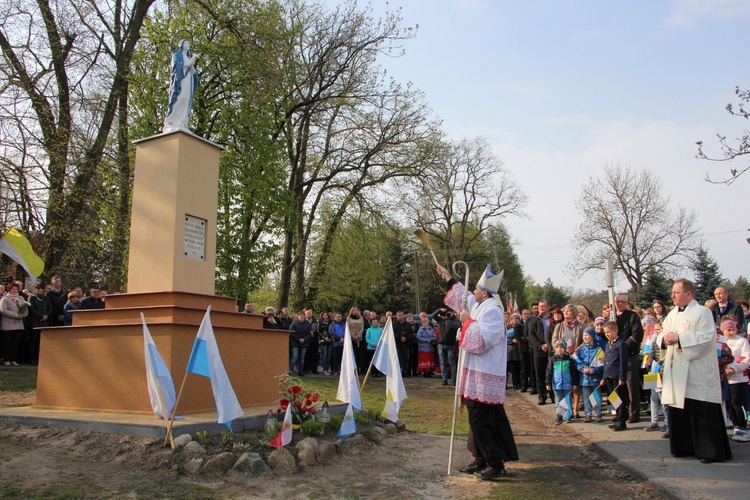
296,389
298,404
308,403
284,405
283,402
304,409
315,397
313,411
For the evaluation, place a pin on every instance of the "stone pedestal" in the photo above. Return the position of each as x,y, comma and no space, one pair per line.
173,221
98,363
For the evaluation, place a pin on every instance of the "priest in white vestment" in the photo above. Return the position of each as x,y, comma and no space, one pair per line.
691,385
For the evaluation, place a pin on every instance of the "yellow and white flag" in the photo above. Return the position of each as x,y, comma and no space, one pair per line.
16,246
385,359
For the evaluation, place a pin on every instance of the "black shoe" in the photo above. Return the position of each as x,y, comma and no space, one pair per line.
708,460
445,382
490,473
301,375
620,426
524,389
541,402
475,466
533,392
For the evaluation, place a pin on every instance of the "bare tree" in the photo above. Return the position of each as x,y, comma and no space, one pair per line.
627,216
64,67
730,152
463,190
346,128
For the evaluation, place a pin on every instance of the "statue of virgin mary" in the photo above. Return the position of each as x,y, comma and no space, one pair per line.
182,87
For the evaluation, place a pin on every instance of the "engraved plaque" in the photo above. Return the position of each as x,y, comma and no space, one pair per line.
195,237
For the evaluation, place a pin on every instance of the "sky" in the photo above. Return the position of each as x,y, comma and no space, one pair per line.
561,89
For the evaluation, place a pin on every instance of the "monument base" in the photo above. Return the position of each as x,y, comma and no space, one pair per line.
98,363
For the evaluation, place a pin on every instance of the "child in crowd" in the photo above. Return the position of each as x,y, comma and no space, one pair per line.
737,377
338,330
426,341
616,373
591,367
71,305
653,355
600,339
562,377
372,337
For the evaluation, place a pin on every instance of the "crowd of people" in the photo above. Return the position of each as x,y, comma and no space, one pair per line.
426,343
25,312
551,353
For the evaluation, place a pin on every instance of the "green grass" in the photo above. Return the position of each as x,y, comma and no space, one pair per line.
428,408
17,380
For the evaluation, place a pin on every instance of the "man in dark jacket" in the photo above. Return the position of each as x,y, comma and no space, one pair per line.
535,333
57,297
448,326
725,306
630,330
403,332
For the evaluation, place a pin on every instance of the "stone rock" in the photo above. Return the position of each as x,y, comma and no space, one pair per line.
218,465
326,452
193,448
375,434
181,440
347,444
193,466
251,465
390,429
282,461
307,452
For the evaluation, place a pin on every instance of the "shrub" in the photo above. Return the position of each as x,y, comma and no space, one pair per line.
312,427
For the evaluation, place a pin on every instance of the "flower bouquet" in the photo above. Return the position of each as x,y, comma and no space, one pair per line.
303,402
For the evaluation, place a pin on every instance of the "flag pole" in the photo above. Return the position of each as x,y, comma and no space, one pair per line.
169,436
459,367
369,368
165,411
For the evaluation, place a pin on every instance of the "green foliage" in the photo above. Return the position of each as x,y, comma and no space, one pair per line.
272,431
374,414
226,437
556,296
201,437
707,275
336,421
657,287
312,428
739,290
361,418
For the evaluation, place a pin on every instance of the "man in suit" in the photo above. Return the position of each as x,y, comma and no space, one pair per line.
725,306
630,331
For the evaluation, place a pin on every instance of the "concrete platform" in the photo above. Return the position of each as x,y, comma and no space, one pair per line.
141,425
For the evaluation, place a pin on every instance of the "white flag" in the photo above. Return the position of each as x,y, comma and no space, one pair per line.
385,359
349,425
158,378
205,360
348,381
285,434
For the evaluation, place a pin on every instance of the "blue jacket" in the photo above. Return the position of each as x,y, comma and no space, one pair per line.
300,330
338,329
426,338
561,373
616,361
586,356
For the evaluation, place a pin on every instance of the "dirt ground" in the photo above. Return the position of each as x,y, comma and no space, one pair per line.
555,462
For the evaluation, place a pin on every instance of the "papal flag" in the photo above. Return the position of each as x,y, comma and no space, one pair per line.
158,378
614,398
598,359
348,391
17,247
205,360
385,359
285,434
349,425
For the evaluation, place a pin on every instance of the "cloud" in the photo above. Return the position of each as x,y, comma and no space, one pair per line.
689,12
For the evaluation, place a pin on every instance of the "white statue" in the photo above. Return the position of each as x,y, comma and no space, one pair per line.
182,87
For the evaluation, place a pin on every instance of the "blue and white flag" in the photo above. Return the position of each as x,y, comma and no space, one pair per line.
205,360
385,359
158,378
564,407
348,391
595,398
349,425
